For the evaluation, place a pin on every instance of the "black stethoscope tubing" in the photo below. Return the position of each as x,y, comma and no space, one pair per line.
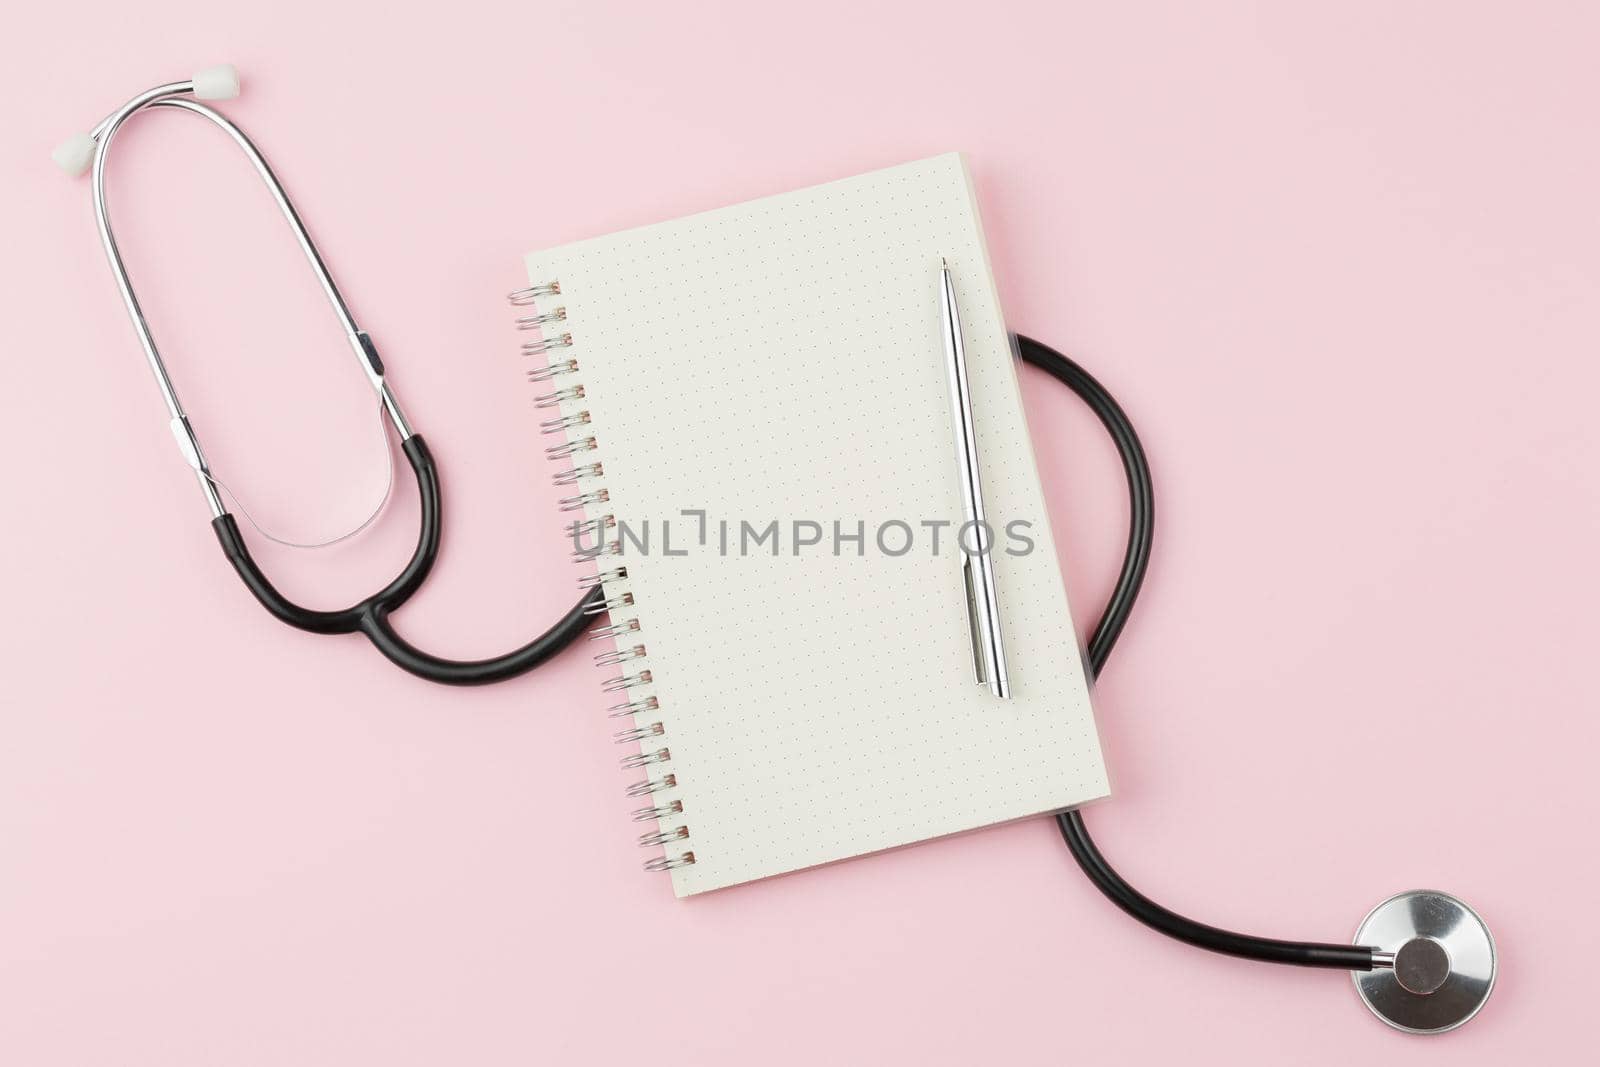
371,617
1113,617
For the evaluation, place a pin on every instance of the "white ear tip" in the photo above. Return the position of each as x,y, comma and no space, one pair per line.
216,83
74,154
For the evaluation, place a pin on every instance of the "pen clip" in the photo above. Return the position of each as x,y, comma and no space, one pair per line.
974,625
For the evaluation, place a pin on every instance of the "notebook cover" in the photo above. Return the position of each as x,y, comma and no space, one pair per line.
769,374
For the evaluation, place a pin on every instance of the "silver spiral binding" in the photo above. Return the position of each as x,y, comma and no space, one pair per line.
571,448
560,396
626,681
645,759
546,344
650,786
639,733
660,811
584,554
524,297
615,574
619,655
588,527
607,606
564,423
590,543
616,629
583,500
633,707
605,548
554,370
534,322
588,470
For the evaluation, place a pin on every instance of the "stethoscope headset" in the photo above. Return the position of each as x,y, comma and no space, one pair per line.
1423,961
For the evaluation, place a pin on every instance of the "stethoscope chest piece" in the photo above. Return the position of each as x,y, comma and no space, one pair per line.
1443,962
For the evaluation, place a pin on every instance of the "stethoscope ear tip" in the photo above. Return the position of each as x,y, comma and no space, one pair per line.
1438,962
74,154
216,83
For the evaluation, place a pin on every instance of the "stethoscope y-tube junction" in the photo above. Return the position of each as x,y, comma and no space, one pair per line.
371,616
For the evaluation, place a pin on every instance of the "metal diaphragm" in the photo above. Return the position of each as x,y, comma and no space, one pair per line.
1443,962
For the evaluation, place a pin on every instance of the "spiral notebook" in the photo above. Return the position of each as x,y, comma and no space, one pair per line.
749,410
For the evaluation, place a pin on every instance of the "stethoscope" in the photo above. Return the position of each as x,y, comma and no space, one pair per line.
1422,961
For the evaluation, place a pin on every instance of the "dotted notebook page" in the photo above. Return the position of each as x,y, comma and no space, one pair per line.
781,360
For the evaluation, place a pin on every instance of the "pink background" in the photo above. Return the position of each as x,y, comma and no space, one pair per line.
1339,262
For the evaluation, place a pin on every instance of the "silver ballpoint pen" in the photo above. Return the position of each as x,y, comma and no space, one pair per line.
977,560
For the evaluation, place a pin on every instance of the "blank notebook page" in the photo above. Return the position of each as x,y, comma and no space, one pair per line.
781,361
